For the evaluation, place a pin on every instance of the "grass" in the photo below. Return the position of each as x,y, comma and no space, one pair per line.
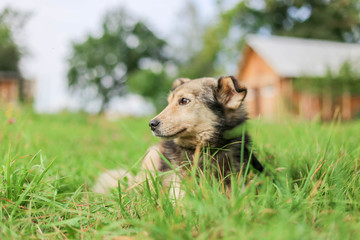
310,190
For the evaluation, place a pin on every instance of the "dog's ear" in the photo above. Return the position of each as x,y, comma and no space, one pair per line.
230,93
179,82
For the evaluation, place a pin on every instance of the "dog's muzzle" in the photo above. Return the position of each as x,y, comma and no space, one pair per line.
154,124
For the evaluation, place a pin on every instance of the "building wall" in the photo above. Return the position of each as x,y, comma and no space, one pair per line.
10,87
9,90
263,85
325,107
28,90
270,95
355,106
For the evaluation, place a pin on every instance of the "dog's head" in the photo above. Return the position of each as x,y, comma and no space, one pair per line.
198,109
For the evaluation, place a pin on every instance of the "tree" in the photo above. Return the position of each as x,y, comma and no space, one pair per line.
9,51
335,84
337,20
11,22
102,65
151,85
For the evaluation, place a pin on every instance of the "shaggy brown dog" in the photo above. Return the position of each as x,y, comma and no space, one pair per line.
200,113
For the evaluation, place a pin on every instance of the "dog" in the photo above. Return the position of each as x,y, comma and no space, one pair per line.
200,114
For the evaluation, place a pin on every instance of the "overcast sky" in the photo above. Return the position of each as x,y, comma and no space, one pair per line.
55,23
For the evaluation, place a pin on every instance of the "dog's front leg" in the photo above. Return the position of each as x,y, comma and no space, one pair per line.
173,180
109,179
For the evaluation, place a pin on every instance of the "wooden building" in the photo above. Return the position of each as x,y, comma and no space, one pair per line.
13,88
270,64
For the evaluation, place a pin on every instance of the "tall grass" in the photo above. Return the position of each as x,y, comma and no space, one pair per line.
310,189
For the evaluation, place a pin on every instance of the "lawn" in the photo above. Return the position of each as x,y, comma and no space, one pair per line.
310,189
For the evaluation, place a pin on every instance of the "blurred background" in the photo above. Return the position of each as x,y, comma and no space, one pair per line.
119,58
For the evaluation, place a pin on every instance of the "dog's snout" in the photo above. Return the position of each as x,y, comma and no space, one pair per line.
154,124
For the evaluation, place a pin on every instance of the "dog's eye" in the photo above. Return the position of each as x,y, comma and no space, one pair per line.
184,101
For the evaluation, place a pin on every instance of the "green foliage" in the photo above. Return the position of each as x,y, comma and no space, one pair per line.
332,20
319,19
310,190
203,62
9,52
153,86
104,64
346,80
11,21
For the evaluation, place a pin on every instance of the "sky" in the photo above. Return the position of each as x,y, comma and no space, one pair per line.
54,24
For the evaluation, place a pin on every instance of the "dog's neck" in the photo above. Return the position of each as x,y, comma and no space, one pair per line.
215,140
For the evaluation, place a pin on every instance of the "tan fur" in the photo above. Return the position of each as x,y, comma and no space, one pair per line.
195,118
179,82
109,179
190,125
152,159
229,96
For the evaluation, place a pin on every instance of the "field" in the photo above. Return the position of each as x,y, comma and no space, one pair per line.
310,190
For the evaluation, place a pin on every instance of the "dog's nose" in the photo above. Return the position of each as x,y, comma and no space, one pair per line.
154,124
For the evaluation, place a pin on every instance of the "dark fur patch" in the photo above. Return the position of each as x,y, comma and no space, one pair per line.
224,124
230,158
231,155
214,105
171,152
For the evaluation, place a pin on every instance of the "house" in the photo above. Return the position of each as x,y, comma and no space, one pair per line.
13,87
270,65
